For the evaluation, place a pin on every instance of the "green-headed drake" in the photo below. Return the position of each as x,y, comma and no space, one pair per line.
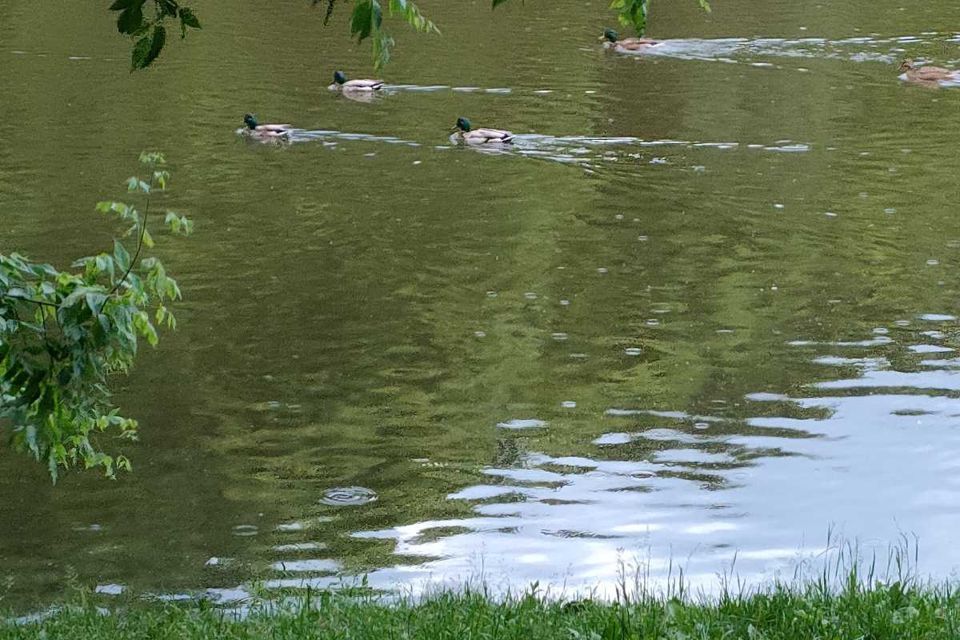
257,131
611,40
464,132
340,83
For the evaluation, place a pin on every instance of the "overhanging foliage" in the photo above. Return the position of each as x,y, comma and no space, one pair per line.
64,333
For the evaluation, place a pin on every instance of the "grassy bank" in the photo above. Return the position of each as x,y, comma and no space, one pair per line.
876,613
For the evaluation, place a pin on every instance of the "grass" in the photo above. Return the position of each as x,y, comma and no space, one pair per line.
875,613
846,599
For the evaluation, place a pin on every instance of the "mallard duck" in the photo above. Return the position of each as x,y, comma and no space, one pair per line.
340,83
464,132
927,75
264,131
611,40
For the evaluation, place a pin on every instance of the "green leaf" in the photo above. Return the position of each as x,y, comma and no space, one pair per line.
145,328
156,45
382,43
130,20
631,13
140,52
78,294
151,158
145,51
121,256
173,221
362,20
189,19
95,301
412,15
124,464
52,466
167,8
160,179
104,263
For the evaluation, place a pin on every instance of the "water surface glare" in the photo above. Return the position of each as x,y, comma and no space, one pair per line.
702,313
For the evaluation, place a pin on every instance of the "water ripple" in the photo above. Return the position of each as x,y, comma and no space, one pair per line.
774,483
348,496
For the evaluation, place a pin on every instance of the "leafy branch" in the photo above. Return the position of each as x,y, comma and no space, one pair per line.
633,13
133,185
149,32
63,333
366,21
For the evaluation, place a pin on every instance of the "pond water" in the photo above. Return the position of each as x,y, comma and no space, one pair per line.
701,316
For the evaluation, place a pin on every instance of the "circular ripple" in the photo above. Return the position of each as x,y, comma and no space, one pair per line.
348,496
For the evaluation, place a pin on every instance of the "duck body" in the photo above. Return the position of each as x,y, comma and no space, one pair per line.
464,132
926,74
613,41
265,132
340,83
486,136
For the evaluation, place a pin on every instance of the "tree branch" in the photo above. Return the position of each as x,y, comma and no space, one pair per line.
43,303
143,232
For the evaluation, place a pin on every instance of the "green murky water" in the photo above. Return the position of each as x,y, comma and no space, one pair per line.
705,306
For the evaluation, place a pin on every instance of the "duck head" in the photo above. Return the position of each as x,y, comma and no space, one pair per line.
906,65
338,77
250,120
610,35
462,125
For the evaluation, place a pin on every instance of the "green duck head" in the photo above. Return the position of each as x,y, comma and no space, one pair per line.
610,35
462,125
250,120
338,77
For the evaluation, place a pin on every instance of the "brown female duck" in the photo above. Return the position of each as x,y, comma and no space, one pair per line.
927,75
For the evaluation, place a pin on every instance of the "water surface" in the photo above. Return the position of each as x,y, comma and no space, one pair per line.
703,311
